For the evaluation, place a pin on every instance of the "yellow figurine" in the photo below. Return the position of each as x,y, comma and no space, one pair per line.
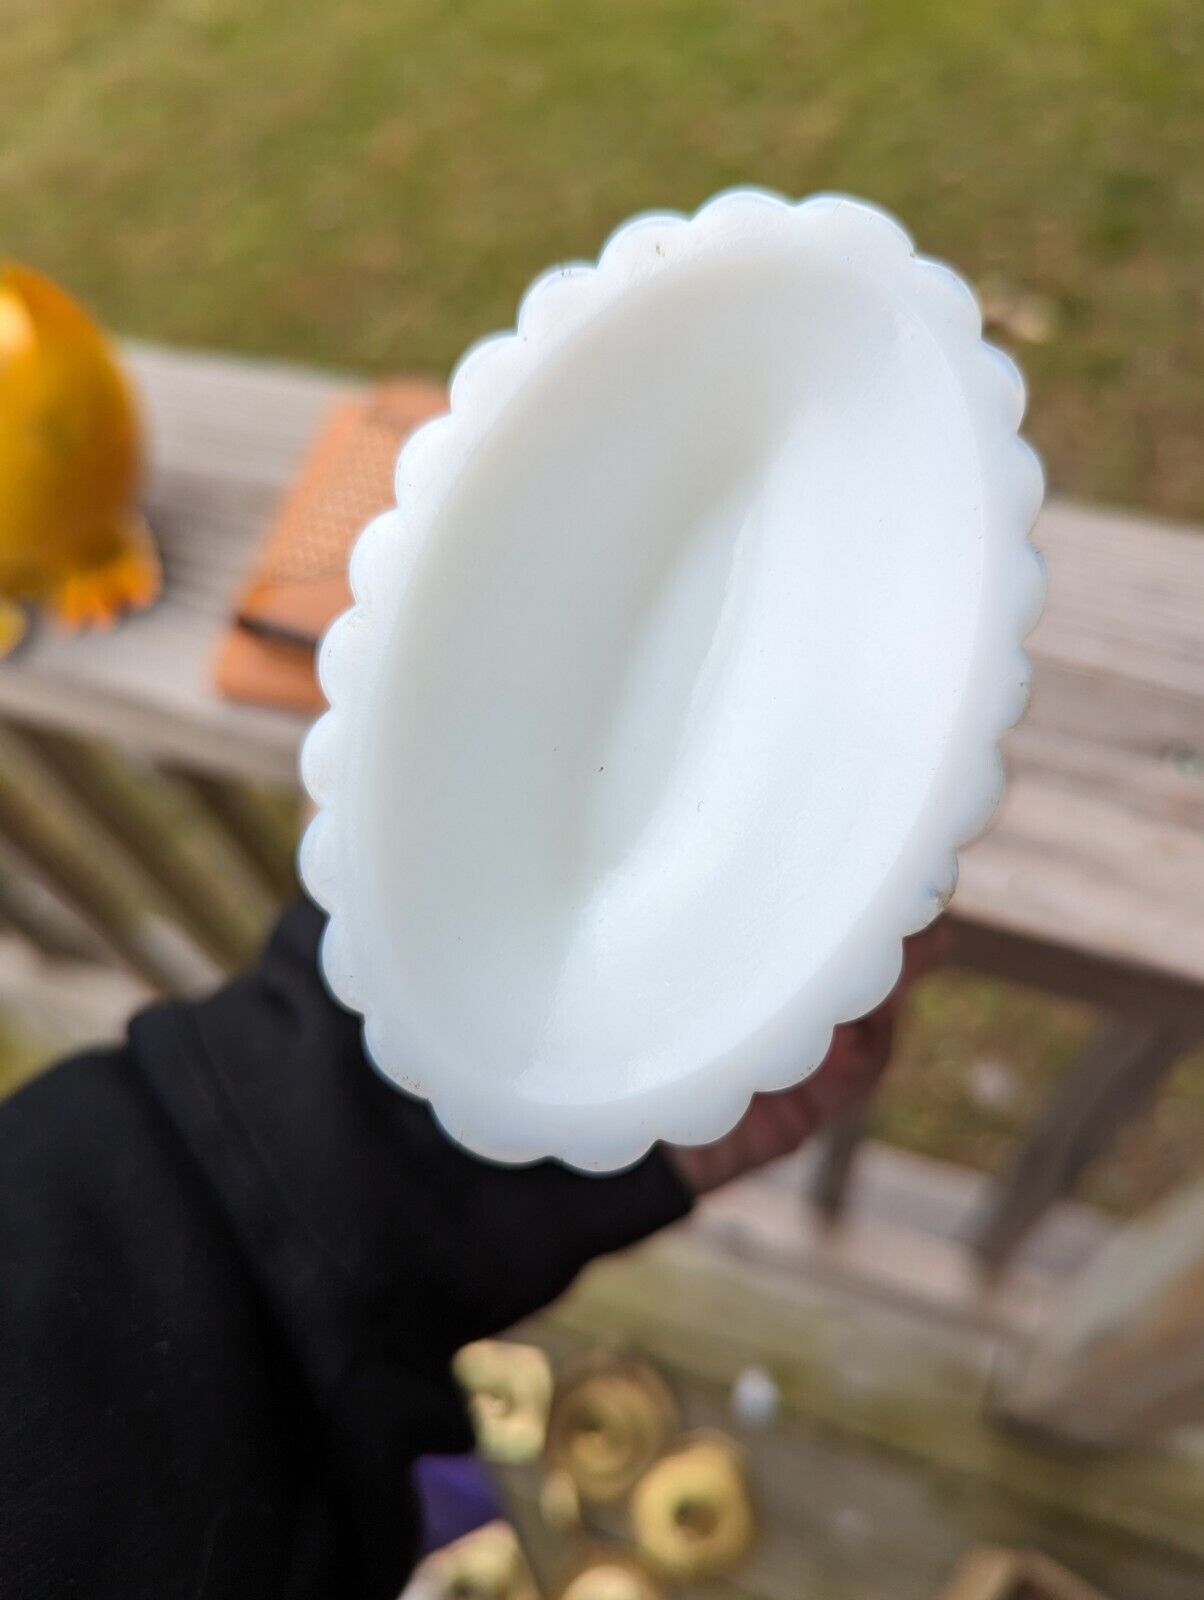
71,536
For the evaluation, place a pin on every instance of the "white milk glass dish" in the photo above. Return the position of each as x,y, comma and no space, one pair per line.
674,679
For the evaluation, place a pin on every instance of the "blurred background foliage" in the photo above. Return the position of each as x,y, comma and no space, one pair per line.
371,183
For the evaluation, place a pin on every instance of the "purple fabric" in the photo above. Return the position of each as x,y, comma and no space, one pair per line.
455,1495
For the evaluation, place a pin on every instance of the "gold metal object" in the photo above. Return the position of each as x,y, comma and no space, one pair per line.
509,1388
692,1512
487,1564
71,536
559,1501
609,1421
609,1575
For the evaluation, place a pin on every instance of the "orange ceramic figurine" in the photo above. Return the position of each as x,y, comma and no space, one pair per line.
71,536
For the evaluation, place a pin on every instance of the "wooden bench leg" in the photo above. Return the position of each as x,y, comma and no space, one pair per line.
102,908
1123,1354
1117,1075
122,816
828,1182
248,827
49,934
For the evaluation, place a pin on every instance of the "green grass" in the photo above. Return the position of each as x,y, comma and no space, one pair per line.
371,183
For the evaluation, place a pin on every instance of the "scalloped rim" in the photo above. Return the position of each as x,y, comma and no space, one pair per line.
706,1104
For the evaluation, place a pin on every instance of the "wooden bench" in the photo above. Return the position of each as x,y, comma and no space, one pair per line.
1090,884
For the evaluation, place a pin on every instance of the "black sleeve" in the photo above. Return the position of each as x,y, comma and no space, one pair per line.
233,1266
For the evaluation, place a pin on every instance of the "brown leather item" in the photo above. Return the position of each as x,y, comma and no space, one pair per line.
299,581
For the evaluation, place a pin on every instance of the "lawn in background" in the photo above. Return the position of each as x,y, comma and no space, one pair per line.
371,183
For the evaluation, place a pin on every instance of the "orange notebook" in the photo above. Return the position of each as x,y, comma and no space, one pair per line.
299,580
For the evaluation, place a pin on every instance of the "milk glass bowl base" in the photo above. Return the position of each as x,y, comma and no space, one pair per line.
674,679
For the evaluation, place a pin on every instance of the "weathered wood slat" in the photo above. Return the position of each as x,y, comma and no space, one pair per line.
138,833
1123,598
1124,1353
248,828
104,911
52,936
1059,968
64,1002
1150,776
1074,869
